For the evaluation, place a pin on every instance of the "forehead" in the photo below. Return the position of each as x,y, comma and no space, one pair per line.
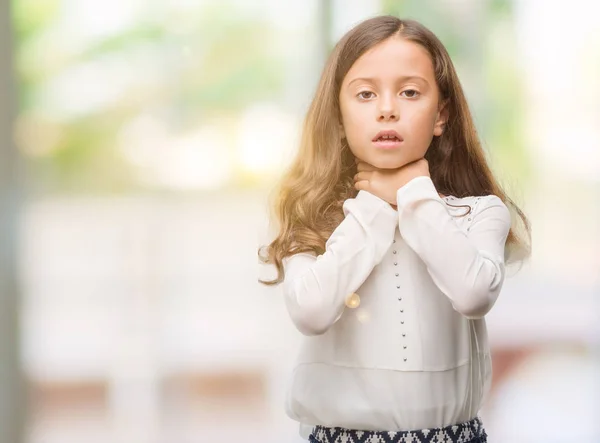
393,58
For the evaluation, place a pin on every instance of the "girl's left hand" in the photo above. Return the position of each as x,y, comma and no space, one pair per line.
384,183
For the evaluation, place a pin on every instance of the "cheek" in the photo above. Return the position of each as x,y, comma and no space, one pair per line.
352,116
422,122
349,111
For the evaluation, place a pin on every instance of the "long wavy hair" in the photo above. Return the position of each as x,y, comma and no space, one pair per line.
307,203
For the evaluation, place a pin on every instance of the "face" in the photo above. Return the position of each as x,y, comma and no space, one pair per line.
389,102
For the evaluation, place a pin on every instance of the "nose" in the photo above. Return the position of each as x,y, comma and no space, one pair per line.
387,110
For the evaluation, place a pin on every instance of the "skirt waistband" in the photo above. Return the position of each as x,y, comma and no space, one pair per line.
471,431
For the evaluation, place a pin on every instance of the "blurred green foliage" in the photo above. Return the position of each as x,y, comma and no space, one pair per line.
220,63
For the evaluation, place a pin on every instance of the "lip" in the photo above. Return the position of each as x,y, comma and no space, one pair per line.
388,144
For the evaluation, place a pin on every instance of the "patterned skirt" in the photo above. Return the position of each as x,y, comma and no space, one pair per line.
471,431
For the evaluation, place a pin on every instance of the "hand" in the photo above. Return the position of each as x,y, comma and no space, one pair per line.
384,183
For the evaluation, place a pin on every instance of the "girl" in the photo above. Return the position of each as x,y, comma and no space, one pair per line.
393,236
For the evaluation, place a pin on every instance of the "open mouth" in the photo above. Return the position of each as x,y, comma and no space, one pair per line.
392,138
388,139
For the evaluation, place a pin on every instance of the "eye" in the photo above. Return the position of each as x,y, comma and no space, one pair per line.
411,93
366,95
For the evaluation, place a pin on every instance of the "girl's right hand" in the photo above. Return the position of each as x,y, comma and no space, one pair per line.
385,183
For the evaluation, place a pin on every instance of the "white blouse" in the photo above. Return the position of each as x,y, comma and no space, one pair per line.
394,312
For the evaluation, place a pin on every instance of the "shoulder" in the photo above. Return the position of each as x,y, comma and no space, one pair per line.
475,201
479,208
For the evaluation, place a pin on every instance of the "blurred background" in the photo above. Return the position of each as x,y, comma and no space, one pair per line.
139,144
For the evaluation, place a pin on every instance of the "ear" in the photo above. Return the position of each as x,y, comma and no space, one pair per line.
341,130
441,119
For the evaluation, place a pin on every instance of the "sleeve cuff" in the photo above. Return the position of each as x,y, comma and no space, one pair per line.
373,205
419,188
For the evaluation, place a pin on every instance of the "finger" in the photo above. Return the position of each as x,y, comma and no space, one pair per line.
364,175
362,185
363,166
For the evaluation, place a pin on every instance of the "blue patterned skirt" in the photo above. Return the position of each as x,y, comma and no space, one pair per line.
471,431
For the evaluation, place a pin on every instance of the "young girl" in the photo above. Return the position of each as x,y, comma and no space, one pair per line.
393,236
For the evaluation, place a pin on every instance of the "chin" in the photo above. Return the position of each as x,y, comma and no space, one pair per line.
387,163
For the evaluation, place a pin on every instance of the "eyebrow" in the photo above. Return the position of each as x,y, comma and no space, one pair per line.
402,79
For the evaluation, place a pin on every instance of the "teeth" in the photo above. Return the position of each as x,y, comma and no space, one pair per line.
388,137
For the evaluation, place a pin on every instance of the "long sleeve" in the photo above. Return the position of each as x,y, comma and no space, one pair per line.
315,287
468,267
